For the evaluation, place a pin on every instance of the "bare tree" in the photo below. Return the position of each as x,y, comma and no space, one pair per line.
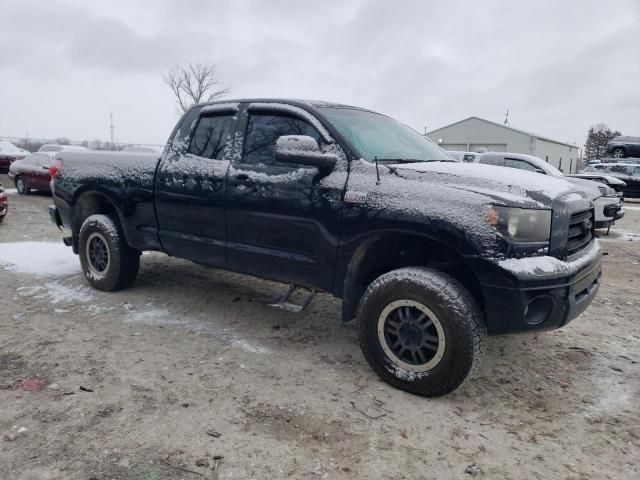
194,83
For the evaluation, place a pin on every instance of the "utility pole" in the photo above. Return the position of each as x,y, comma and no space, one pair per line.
112,134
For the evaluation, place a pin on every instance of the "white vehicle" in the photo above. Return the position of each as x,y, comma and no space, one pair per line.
54,147
607,204
466,157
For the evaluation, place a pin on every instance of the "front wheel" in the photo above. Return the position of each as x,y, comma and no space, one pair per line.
421,330
21,187
619,153
107,261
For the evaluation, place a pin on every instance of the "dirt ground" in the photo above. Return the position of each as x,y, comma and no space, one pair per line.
190,364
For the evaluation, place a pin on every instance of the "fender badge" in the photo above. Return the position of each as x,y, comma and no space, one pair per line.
355,197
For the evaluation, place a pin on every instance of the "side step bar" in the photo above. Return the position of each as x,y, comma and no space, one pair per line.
285,304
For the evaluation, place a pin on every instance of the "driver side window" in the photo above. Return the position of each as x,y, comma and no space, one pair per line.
263,130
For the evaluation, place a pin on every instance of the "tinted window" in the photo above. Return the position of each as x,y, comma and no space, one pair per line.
180,136
210,136
522,165
636,172
491,160
264,130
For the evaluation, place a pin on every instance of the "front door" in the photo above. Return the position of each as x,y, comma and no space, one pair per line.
190,187
282,219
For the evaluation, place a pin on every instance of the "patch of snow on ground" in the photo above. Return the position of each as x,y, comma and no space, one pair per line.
57,293
39,258
11,191
160,316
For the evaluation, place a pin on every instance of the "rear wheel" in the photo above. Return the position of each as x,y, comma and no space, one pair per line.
421,330
21,186
619,153
107,261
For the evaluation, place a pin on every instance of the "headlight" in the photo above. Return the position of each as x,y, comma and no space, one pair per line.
521,224
605,190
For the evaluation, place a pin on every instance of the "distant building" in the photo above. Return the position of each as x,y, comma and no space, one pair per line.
475,134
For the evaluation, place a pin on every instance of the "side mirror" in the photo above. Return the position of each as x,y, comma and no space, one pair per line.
539,170
303,150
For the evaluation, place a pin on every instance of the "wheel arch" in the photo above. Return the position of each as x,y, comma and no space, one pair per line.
89,202
383,252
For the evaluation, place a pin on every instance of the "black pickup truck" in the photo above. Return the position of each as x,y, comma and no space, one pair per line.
428,254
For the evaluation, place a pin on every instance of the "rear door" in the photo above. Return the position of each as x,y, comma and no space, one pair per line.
282,220
41,172
27,170
190,186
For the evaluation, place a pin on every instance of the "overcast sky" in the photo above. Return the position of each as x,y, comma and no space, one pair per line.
559,66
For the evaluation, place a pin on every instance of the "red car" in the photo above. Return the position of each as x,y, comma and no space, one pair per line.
9,153
3,204
32,172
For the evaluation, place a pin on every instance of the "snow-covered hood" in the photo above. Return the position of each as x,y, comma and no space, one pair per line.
508,186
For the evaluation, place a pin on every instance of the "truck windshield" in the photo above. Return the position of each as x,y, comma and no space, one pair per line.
375,135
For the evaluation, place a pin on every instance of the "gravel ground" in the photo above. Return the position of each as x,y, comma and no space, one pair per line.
192,364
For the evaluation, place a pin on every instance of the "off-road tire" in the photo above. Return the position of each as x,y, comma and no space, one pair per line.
123,261
620,151
457,312
21,186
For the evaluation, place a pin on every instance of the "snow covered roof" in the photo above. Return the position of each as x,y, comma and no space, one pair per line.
506,127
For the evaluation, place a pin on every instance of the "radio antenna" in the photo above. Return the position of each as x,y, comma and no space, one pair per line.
377,170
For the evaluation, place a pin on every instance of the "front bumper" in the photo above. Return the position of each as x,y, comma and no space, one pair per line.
538,293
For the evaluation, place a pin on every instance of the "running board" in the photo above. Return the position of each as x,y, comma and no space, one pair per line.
285,304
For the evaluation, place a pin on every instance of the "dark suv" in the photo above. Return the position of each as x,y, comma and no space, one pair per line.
622,147
629,173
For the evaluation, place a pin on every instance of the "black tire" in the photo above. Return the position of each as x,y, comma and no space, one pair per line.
107,261
444,301
21,186
619,153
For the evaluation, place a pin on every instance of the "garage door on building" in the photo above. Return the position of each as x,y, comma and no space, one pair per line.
492,147
454,147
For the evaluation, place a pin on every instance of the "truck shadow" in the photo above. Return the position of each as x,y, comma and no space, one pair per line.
537,372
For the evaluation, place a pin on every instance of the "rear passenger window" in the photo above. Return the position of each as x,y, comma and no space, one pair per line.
514,163
210,136
492,160
264,130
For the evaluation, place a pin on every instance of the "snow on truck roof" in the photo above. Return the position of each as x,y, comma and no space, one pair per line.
290,101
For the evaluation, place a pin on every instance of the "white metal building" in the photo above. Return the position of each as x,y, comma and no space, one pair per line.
475,134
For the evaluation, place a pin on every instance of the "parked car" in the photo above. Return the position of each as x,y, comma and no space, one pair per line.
466,157
4,203
54,147
32,172
143,149
9,153
609,180
608,205
629,173
622,147
429,254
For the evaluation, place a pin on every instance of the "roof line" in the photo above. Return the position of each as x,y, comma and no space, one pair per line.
524,132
